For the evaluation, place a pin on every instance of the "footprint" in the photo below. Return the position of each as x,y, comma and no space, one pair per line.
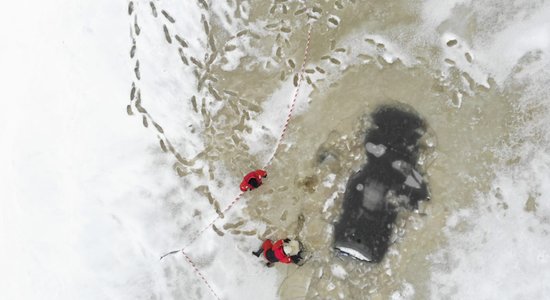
129,110
205,25
300,11
229,48
182,56
163,146
469,57
133,51
133,91
136,26
182,42
204,4
168,17
333,21
450,61
167,34
218,232
157,126
451,43
136,70
370,42
153,9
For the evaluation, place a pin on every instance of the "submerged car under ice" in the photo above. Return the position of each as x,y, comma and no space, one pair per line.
388,181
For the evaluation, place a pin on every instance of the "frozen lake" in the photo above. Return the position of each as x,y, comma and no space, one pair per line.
127,127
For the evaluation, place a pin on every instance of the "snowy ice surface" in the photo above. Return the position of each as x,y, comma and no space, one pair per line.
505,254
498,249
89,201
504,35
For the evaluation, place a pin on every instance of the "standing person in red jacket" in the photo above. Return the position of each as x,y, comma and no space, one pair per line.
285,251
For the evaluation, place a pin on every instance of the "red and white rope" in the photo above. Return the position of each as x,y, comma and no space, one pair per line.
200,274
267,164
196,236
293,102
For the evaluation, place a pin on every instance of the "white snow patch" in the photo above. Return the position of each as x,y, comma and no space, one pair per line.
406,293
496,52
89,200
329,180
435,12
275,111
330,201
338,271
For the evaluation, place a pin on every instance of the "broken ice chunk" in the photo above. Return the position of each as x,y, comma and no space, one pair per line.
410,181
376,150
352,252
402,166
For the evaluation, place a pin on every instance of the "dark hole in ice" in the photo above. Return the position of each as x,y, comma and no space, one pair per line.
388,181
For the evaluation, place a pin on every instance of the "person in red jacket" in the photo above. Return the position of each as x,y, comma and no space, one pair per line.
252,180
285,251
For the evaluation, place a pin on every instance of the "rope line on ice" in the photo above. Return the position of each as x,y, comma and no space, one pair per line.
267,164
200,274
293,102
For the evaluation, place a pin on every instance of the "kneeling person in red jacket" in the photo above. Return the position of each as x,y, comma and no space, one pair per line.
252,180
285,251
